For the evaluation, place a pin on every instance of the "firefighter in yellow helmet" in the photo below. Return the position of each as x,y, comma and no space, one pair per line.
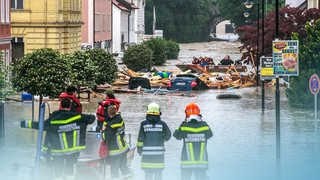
152,135
194,132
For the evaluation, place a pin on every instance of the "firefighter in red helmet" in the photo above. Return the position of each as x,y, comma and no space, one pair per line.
70,94
194,132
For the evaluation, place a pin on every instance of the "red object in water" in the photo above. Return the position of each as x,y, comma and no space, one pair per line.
103,150
193,84
169,84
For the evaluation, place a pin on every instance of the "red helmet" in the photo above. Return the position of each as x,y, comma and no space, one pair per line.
192,109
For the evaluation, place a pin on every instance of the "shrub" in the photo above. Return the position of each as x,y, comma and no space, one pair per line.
158,47
138,57
43,72
83,68
106,66
172,49
309,62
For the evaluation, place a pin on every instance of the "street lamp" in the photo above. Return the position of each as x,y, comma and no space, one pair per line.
249,4
246,14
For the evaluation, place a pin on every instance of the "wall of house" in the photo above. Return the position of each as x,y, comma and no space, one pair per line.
116,29
103,20
5,35
313,4
48,24
124,27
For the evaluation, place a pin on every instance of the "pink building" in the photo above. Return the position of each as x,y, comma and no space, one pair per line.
101,35
5,35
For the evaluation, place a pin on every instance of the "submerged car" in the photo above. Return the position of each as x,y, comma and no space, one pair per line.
186,82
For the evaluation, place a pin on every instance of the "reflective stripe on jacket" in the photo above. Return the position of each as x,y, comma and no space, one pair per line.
152,135
66,132
114,135
194,151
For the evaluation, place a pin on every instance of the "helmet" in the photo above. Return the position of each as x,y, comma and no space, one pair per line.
153,109
192,109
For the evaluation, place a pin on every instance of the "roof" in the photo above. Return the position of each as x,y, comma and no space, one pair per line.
124,5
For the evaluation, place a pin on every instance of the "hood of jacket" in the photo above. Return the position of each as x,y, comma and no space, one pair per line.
153,118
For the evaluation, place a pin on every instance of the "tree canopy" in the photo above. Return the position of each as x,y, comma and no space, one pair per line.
309,63
181,20
43,72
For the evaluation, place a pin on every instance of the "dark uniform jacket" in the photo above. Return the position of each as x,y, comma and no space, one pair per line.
114,135
152,135
66,132
194,151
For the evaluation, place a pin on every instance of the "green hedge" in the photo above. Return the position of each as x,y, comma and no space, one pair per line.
172,49
158,47
138,57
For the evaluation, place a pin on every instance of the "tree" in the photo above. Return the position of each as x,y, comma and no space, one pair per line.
158,47
291,20
234,9
2,78
106,65
138,57
84,69
181,20
5,85
309,63
43,72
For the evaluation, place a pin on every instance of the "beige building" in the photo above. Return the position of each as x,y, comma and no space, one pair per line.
45,24
313,4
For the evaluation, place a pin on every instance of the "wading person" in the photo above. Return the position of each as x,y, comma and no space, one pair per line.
72,96
102,112
152,135
194,132
114,136
65,138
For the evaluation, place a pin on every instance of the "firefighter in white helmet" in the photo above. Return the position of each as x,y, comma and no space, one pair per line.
152,135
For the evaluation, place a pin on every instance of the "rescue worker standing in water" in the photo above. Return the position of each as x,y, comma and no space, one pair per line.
65,138
71,94
102,112
194,132
114,136
152,135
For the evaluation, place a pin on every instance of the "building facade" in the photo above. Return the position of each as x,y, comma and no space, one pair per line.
101,35
52,24
313,4
5,37
123,25
137,19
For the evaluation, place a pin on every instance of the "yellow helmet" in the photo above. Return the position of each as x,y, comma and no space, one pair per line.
153,109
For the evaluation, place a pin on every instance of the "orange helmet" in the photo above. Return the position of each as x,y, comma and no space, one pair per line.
192,109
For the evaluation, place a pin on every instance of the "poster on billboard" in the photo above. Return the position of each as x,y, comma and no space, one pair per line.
285,54
266,68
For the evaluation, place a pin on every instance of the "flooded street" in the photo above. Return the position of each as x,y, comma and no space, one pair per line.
243,145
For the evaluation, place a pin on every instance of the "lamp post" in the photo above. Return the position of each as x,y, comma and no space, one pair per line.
277,89
249,4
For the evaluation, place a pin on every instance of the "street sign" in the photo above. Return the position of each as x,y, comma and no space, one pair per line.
314,89
314,84
285,57
266,68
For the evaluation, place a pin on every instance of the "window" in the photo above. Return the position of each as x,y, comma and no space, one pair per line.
17,4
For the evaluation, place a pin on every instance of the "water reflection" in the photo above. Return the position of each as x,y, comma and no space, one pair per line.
243,146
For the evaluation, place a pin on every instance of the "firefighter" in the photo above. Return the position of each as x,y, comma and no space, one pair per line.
152,135
65,138
101,112
194,132
71,94
114,136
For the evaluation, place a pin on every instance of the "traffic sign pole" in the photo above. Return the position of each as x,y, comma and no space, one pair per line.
315,107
